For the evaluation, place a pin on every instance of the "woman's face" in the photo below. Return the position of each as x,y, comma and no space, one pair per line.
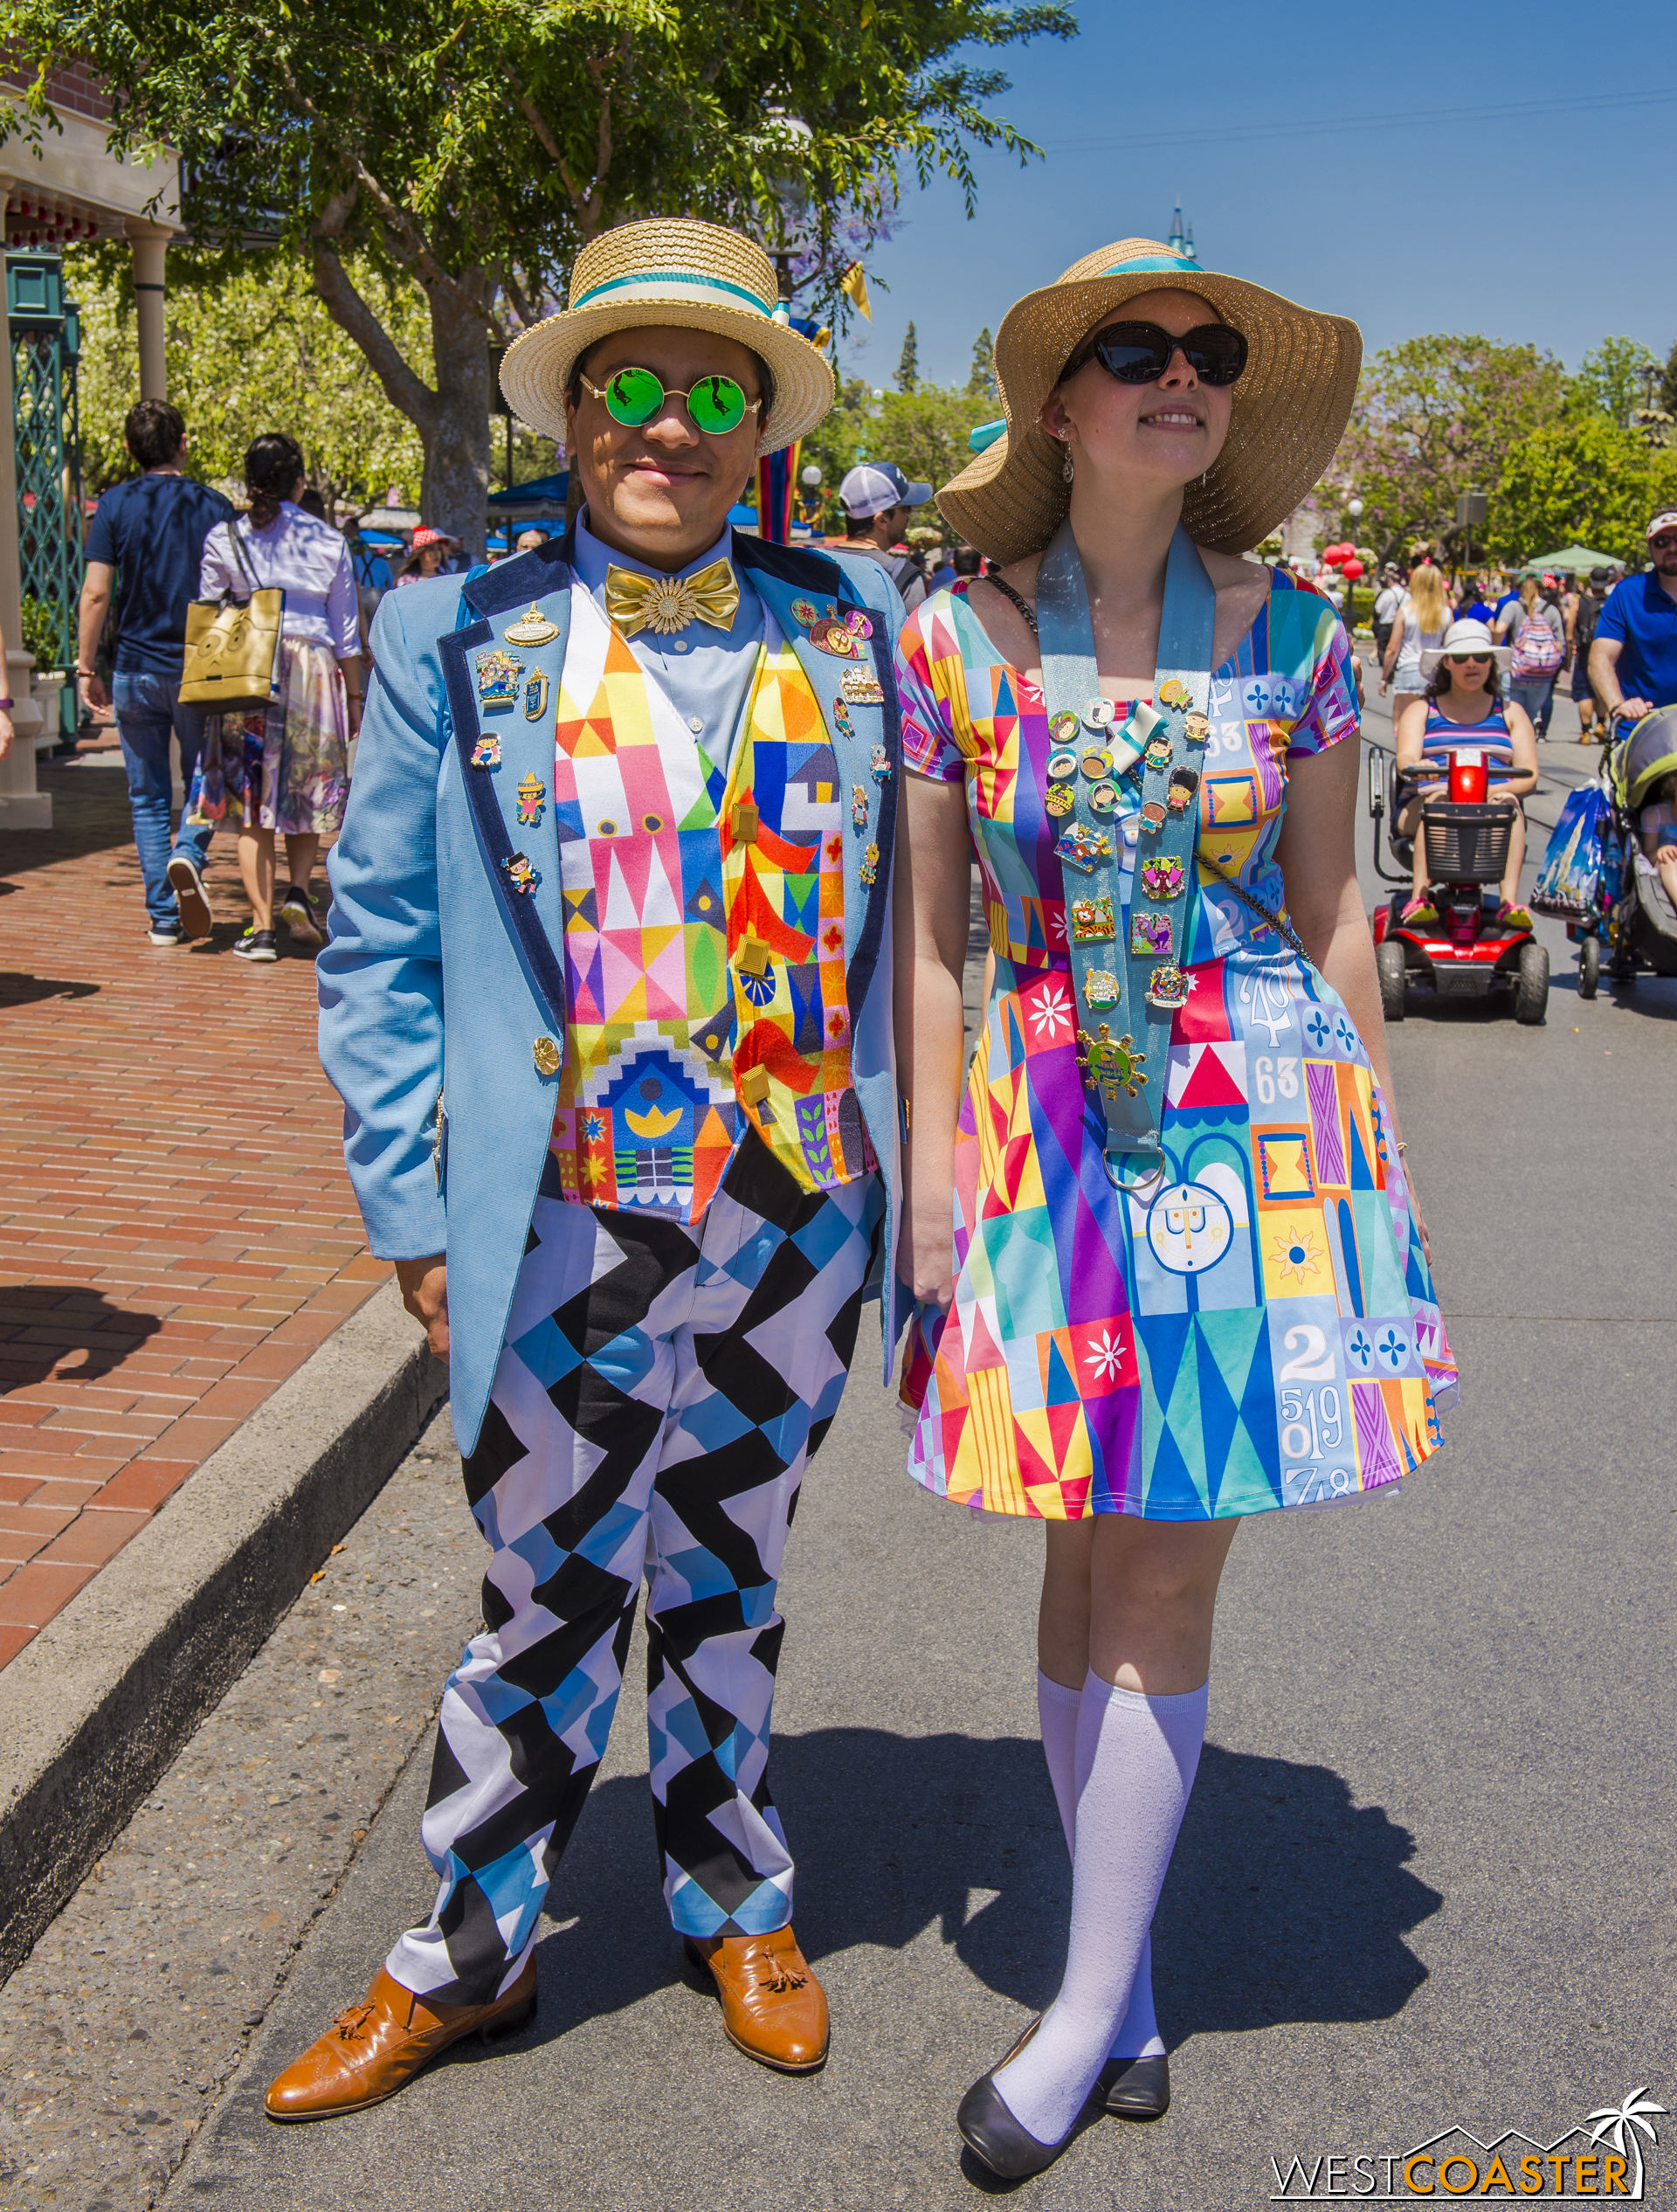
1163,433
430,558
1469,671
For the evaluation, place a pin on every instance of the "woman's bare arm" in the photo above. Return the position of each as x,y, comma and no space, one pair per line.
930,925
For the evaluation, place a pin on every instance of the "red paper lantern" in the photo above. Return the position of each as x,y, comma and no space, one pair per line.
1351,571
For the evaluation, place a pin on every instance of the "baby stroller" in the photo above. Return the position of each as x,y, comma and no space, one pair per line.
1596,877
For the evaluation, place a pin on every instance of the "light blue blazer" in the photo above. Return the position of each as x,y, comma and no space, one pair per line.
438,977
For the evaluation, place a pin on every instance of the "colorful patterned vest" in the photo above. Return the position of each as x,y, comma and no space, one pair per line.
704,940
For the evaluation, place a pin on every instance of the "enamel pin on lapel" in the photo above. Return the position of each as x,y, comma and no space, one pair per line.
532,794
519,874
498,680
536,696
531,629
862,687
879,765
486,753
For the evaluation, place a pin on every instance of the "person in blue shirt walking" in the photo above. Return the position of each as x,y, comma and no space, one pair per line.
1633,655
149,531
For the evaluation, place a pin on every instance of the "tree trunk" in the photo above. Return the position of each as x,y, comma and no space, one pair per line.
453,420
456,429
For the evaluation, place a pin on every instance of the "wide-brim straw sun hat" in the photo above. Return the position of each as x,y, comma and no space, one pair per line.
695,276
1465,637
1291,403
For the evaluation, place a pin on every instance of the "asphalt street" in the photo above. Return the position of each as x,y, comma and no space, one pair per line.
1426,1878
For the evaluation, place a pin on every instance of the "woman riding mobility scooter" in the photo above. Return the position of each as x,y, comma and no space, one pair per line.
1453,746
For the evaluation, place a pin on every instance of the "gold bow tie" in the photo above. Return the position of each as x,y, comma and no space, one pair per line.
666,604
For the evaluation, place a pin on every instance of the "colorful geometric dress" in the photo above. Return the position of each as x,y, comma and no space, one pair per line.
1261,1331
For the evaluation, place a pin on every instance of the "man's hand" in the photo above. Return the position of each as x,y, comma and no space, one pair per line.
91,690
424,1292
1633,709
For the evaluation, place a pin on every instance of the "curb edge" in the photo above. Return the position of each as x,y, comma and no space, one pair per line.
96,1705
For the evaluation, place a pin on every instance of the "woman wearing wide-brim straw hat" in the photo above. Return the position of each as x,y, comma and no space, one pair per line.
1182,1277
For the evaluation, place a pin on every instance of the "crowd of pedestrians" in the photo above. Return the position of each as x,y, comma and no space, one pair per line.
161,539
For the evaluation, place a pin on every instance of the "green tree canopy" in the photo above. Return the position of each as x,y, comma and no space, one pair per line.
259,354
468,147
982,382
1434,418
1582,483
923,432
1611,381
908,367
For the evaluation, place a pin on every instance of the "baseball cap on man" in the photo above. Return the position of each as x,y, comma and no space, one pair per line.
1666,522
872,487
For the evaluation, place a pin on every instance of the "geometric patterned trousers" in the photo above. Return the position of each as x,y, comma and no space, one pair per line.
659,1392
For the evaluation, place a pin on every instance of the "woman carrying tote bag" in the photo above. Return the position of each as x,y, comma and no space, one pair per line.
285,771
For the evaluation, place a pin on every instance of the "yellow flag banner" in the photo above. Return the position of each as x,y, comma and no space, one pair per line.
853,285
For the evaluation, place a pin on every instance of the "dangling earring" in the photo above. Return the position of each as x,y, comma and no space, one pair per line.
1066,470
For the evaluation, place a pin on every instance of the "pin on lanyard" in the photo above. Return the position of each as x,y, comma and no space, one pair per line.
1126,963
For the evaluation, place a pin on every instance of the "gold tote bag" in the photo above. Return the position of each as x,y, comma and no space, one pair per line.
232,664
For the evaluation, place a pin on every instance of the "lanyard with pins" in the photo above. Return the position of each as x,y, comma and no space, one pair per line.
1126,966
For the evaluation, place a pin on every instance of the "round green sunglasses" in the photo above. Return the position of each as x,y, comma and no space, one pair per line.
635,395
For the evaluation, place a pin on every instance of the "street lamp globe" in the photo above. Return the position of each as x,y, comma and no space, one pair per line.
810,478
1354,508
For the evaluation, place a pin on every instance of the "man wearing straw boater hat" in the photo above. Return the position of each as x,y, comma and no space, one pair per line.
606,998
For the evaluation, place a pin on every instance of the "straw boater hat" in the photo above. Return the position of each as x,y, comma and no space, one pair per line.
695,275
1291,403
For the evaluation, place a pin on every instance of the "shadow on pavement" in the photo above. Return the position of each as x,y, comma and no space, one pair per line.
42,1324
17,989
1286,1901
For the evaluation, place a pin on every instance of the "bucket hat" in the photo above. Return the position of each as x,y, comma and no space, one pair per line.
1465,637
1291,403
696,276
423,536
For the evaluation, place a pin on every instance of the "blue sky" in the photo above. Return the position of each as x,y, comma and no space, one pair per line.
1326,152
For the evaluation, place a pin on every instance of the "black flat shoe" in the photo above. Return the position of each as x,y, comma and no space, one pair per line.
992,2134
1137,2089
997,2139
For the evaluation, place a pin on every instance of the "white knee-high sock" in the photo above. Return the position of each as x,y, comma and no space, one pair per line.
1136,1758
1056,1708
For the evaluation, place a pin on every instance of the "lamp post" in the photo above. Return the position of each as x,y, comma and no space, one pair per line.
1472,508
810,478
1654,422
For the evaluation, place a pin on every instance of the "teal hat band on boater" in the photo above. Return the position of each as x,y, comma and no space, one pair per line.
1147,262
659,284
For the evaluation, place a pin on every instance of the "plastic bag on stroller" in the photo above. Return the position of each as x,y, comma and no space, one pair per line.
1570,882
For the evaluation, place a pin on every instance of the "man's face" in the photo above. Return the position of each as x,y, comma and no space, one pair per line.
1662,551
662,491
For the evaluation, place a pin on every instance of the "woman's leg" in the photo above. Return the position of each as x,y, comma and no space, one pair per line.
302,850
1510,887
256,867
1140,1719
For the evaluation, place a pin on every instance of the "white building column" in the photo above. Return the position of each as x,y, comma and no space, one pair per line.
21,806
149,243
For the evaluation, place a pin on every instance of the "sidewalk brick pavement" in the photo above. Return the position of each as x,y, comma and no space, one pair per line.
176,1230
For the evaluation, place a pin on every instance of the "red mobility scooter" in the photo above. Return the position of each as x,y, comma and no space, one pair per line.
1469,953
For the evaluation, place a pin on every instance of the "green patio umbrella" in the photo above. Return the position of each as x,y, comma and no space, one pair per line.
1578,558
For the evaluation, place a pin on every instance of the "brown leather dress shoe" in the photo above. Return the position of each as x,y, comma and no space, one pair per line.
773,2007
376,2048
